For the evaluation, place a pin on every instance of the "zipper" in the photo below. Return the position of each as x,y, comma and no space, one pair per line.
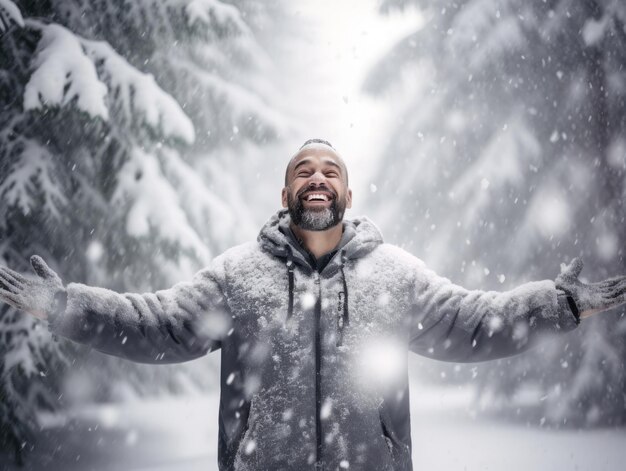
318,382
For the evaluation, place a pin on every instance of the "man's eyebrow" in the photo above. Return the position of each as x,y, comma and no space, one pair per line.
326,161
302,162
333,163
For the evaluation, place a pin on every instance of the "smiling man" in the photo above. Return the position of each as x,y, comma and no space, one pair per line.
316,187
303,317
317,195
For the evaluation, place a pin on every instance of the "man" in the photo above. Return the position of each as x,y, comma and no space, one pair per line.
295,314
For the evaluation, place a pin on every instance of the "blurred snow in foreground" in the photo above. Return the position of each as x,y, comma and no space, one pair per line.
181,435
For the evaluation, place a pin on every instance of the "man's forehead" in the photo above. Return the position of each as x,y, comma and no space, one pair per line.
317,150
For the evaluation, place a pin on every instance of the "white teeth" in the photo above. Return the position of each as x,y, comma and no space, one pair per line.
316,196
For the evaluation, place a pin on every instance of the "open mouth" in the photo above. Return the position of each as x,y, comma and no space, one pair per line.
319,197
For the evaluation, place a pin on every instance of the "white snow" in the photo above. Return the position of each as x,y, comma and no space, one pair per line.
9,13
307,300
502,165
554,137
20,357
32,172
326,409
594,30
448,433
64,74
480,22
201,203
383,299
250,447
139,94
94,251
154,204
607,245
383,362
496,324
616,154
287,414
242,102
204,11
549,212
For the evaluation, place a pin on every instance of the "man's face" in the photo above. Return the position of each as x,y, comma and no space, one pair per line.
317,192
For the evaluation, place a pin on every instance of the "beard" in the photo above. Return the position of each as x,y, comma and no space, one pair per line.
315,219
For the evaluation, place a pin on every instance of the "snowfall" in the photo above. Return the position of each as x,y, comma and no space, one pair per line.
448,431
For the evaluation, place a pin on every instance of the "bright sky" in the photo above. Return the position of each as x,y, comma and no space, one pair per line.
344,39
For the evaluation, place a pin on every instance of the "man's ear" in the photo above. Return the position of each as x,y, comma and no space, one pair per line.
284,197
349,199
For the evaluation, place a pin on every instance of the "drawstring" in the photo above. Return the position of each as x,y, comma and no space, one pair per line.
344,319
290,273
344,316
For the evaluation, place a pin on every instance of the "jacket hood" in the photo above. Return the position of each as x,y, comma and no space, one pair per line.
362,233
360,237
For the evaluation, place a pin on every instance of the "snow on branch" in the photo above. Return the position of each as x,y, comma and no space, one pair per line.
9,14
139,94
203,204
64,74
499,34
70,69
155,204
23,352
32,175
243,102
211,12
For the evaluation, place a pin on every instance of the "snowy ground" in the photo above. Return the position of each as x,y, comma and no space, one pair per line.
181,435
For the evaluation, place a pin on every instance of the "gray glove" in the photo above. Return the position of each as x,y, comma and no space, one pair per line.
592,297
39,296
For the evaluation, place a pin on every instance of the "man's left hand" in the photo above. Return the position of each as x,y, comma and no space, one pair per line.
590,298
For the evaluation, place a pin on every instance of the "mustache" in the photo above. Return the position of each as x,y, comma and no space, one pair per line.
313,188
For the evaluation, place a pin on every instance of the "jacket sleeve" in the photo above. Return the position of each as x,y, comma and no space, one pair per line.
451,323
169,326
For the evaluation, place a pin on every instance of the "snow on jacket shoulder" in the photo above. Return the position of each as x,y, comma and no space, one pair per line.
314,364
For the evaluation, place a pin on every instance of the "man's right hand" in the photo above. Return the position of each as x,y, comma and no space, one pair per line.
36,295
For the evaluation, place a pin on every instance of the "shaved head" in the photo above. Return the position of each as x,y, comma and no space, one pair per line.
312,145
316,187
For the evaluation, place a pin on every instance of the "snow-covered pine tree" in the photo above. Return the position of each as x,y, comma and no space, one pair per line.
111,115
508,158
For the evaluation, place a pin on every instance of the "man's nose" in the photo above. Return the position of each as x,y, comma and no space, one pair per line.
317,177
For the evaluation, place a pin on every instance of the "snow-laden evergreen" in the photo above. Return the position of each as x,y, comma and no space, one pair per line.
114,117
508,159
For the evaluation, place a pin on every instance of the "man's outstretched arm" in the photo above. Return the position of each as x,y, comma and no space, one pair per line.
168,326
451,323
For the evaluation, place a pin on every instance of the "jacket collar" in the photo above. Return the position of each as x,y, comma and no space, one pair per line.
362,233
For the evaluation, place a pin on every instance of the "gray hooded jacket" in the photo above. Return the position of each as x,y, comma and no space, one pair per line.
314,363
